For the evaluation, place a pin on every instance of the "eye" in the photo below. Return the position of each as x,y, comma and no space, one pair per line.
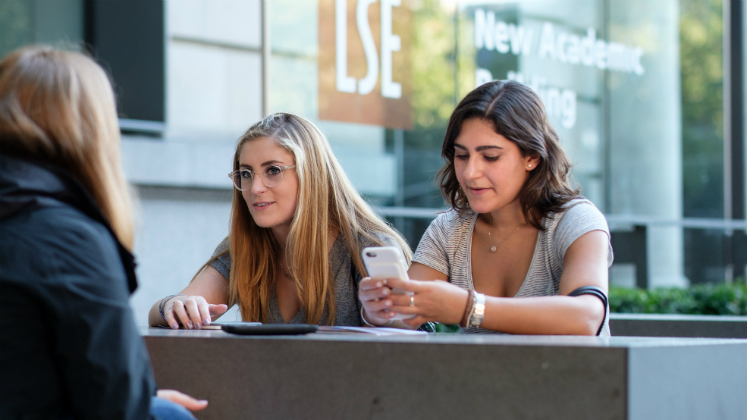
274,170
246,173
461,157
491,158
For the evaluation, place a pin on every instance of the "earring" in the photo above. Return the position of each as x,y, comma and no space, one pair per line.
530,166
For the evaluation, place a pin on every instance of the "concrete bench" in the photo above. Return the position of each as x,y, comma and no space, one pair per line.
453,376
660,325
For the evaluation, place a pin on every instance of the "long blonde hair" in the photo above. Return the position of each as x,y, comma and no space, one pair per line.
327,202
57,107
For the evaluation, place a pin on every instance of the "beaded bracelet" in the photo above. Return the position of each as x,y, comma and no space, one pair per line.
164,300
363,318
467,308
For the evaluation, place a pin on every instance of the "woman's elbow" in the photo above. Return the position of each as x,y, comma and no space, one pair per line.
584,327
589,328
590,321
585,315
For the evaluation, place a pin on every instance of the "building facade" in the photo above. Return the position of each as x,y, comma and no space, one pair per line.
647,97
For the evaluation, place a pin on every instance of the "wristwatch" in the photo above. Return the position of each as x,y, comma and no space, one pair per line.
478,311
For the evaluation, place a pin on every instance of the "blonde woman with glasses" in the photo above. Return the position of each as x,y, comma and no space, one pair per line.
293,253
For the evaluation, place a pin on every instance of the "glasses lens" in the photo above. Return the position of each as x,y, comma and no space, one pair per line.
236,177
272,176
242,179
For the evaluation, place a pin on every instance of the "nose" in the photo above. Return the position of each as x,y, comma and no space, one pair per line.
258,186
472,169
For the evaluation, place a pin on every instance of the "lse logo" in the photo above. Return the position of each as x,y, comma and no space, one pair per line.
364,62
389,44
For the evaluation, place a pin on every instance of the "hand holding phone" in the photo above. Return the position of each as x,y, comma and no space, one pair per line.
387,262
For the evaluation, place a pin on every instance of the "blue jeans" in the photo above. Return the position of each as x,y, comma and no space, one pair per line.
167,410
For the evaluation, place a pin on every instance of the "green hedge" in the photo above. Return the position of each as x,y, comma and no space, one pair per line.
703,299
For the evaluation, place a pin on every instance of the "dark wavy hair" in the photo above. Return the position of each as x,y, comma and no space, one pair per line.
517,114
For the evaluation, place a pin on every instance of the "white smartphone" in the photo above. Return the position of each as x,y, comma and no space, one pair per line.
386,262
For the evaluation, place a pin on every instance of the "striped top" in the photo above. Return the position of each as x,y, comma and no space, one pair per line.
447,247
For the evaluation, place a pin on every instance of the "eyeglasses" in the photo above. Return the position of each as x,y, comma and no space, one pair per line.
273,176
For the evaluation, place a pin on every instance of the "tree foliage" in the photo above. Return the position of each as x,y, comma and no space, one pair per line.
702,83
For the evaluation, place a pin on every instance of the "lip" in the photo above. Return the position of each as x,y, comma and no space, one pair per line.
262,205
477,191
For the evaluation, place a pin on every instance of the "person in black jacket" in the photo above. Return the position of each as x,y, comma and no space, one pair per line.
69,347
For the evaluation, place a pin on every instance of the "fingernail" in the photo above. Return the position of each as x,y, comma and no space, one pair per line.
189,325
175,326
378,284
198,326
207,321
385,292
384,281
392,314
388,303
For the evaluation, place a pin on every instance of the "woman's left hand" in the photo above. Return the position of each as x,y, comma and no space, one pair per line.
430,301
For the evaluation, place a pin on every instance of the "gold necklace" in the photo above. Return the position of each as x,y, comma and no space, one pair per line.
493,248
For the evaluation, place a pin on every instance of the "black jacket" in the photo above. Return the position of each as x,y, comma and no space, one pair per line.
69,347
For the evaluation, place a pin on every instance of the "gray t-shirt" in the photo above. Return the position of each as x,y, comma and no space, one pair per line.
346,284
447,247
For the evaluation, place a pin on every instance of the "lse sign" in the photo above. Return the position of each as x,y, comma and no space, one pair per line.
364,68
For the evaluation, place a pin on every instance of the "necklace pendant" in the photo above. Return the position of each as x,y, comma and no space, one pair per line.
492,249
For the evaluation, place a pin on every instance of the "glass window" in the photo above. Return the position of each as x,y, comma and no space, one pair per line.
633,88
56,22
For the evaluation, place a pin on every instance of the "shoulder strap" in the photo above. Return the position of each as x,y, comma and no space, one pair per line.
594,291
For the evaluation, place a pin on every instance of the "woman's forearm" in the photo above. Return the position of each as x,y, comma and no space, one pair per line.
548,315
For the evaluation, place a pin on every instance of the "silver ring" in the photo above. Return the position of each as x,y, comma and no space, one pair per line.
412,299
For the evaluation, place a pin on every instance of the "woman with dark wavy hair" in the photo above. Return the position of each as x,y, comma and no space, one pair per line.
517,229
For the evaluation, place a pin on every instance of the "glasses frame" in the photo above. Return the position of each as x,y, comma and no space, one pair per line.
255,174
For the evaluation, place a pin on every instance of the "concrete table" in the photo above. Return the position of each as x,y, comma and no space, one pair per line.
453,376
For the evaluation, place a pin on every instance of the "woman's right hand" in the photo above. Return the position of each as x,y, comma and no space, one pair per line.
186,401
374,295
191,311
